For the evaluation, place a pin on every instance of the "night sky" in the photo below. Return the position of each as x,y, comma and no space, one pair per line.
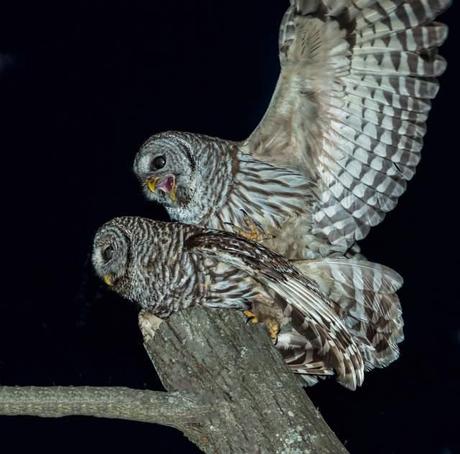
83,84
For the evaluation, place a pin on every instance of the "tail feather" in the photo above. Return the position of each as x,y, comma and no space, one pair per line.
363,295
327,338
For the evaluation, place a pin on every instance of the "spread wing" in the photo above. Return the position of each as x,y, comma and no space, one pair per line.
310,310
349,111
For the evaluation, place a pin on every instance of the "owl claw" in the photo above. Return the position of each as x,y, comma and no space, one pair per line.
251,230
252,318
252,235
273,329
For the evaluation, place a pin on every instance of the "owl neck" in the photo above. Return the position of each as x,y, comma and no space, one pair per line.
232,186
212,184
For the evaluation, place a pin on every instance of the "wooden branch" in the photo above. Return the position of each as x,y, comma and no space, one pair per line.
229,390
260,405
168,409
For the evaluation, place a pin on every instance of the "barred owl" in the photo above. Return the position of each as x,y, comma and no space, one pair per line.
341,137
341,317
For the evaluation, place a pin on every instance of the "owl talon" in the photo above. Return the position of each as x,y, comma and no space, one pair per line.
255,231
252,235
273,329
250,229
252,318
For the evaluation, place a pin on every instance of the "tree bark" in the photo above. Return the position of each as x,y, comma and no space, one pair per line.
259,405
168,409
229,390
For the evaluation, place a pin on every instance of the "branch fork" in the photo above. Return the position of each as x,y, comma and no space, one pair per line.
227,389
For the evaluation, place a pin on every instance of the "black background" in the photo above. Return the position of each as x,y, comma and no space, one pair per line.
83,84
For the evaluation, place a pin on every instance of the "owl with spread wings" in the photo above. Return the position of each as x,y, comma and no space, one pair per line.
343,319
338,143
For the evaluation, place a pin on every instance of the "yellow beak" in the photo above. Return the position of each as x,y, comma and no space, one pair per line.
152,183
108,279
172,194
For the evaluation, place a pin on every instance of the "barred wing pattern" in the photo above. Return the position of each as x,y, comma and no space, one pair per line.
316,324
364,297
351,103
342,317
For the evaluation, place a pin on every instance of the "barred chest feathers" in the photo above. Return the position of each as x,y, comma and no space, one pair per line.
171,278
233,189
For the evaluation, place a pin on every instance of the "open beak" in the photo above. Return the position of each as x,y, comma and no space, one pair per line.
152,183
108,279
166,184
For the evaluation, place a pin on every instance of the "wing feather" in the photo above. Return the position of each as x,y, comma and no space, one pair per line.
310,310
350,106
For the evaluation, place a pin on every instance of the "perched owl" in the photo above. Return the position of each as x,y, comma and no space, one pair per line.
340,139
341,317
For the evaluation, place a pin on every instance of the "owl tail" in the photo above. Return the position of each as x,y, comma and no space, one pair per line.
363,295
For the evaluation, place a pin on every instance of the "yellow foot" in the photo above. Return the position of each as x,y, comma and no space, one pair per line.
251,230
251,317
251,234
273,329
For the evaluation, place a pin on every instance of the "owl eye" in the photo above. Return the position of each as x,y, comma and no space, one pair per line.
158,163
107,253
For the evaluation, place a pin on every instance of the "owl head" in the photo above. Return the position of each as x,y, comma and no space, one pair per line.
111,255
136,257
166,167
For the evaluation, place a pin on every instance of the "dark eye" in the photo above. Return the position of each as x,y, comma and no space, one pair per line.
107,253
158,163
